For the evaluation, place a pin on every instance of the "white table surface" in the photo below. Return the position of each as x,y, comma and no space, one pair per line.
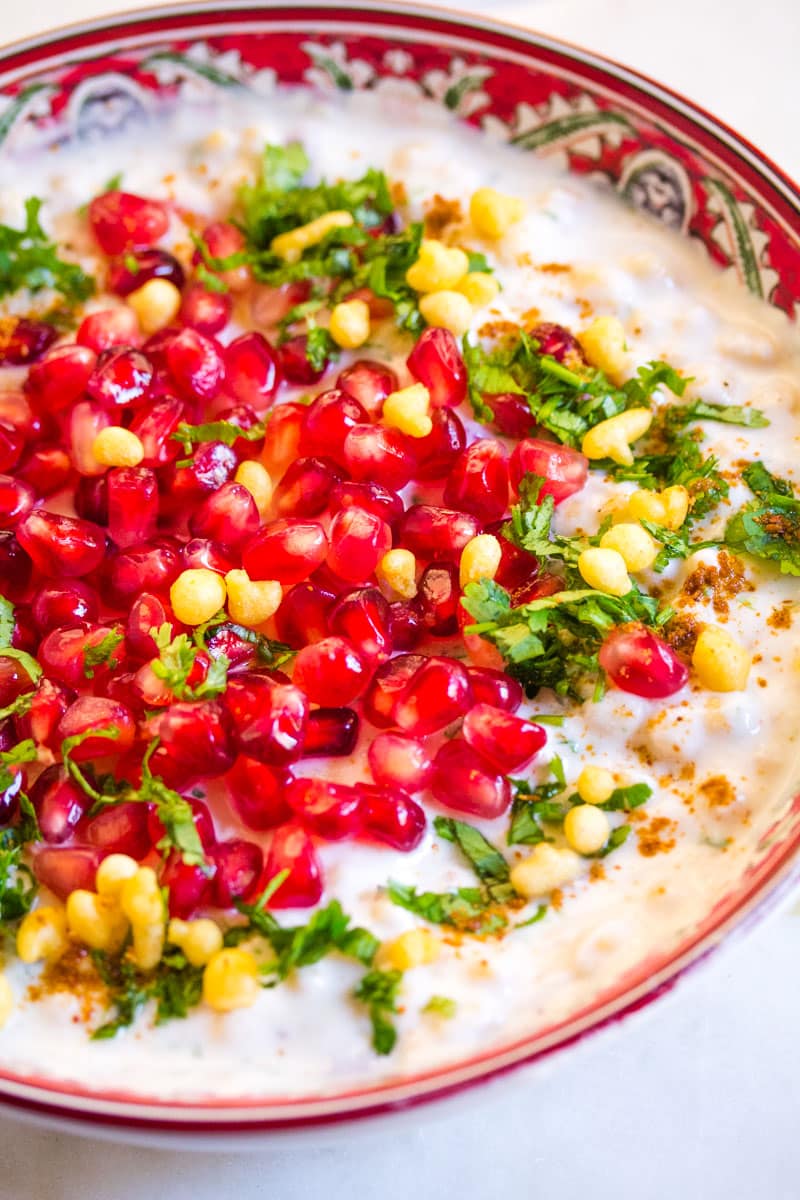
697,1099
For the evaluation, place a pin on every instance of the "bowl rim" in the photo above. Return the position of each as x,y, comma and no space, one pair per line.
774,877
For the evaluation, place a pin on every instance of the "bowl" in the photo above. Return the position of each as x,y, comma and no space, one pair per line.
659,152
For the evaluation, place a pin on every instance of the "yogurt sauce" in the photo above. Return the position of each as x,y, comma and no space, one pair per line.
306,1036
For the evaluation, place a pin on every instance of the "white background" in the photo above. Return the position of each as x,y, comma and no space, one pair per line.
698,1098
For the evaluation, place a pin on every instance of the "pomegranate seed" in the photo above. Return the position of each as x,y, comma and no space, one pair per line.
330,672
495,687
201,817
503,741
84,422
148,612
12,443
379,307
40,722
269,719
201,552
195,365
478,482
330,810
16,501
24,634
303,615
121,377
557,341
399,760
563,469
154,424
64,603
328,420
121,829
15,566
46,468
269,305
14,680
124,277
196,743
407,627
306,486
512,414
287,550
64,869
9,795
296,367
373,497
436,361
95,712
436,695
212,465
132,505
59,378
481,652
331,733
358,541
364,619
387,682
59,803
638,661
436,533
245,418
61,545
228,516
536,589
16,412
462,780
207,312
292,850
252,372
369,383
189,886
437,599
151,567
62,653
391,816
110,327
23,341
122,221
372,452
223,240
517,566
224,641
283,436
437,452
257,793
239,866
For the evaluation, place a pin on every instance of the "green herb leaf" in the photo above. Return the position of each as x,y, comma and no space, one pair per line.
769,526
217,431
175,985
378,990
298,946
6,622
441,1006
624,799
484,858
466,909
616,838
728,414
102,654
29,259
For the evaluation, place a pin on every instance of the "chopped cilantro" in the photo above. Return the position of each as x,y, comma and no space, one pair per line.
441,1006
768,527
217,431
102,654
176,661
486,861
616,838
269,652
6,622
704,410
175,985
378,990
320,347
535,804
297,946
17,884
466,908
623,799
29,259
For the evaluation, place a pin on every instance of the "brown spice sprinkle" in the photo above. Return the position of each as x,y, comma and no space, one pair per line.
498,329
74,973
657,836
717,791
397,190
682,633
440,213
721,581
597,872
781,615
554,268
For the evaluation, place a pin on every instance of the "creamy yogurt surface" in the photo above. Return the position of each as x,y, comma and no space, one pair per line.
577,253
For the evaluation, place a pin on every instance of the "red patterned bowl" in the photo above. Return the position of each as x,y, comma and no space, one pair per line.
660,152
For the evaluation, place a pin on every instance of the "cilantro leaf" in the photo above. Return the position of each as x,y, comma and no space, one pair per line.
704,410
466,908
174,984
29,259
17,884
320,348
623,799
441,1006
484,858
297,946
768,527
6,622
102,654
616,838
217,431
378,990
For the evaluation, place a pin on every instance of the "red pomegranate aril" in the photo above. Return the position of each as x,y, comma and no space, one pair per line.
89,713
363,617
369,383
331,733
64,603
399,760
330,672
239,866
462,780
512,414
16,413
59,803
257,793
189,886
154,424
148,612
437,599
269,305
135,269
330,810
59,545
287,550
121,829
563,469
388,681
132,505
122,221
109,327
375,453
12,444
196,743
14,680
24,634
434,697
517,566
436,533
84,421
15,566
636,660
305,489
269,719
211,465
296,366
222,240
328,420
373,497
358,541
207,312
292,850
536,589
283,436
495,688
122,377
436,361
62,651
241,654
228,516
24,340
407,627
64,869
59,378
252,371
16,501
481,652
201,818
504,741
389,815
437,452
195,365
46,468
40,722
202,552
303,615
478,481
150,567
557,342
10,790
244,417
